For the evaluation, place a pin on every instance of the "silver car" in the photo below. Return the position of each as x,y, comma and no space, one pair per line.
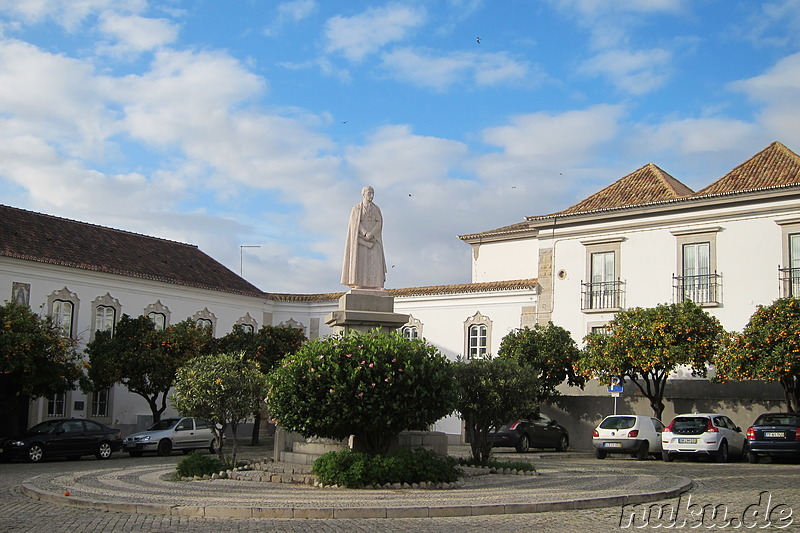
185,434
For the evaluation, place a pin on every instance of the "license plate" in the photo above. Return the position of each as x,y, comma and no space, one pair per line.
773,434
612,444
687,441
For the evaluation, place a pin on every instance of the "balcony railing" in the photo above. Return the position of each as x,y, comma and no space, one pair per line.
789,278
603,295
702,289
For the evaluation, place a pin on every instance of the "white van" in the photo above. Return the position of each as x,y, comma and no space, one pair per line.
637,435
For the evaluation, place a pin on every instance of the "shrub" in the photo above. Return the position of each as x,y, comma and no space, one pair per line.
355,469
196,464
372,386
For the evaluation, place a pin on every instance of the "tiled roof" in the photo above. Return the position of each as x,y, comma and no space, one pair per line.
58,241
432,290
648,184
773,166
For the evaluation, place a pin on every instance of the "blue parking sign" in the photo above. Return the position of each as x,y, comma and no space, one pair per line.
616,385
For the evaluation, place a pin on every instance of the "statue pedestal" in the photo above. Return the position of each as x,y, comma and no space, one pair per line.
363,310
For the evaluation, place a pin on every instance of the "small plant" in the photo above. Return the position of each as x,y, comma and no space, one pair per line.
355,469
495,463
196,464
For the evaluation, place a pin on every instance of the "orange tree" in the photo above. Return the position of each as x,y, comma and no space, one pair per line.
645,344
550,352
143,359
35,360
266,347
372,386
767,349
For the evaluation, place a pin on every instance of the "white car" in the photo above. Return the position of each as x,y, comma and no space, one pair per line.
185,434
709,434
637,435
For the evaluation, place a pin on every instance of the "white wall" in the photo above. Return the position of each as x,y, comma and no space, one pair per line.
499,261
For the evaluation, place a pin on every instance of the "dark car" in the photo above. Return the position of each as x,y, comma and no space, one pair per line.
537,431
63,437
774,435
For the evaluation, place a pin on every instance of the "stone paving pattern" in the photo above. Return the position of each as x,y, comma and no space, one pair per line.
736,485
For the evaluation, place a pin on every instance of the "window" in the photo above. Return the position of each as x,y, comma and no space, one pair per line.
790,276
62,316
248,328
104,318
159,320
477,336
247,323
604,290
100,403
205,319
409,332
55,404
477,342
204,323
697,279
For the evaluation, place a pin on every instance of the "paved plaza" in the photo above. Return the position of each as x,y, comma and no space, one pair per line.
742,494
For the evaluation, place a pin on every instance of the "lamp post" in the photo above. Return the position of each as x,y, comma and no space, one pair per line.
241,256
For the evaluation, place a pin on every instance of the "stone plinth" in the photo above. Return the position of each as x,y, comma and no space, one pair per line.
364,310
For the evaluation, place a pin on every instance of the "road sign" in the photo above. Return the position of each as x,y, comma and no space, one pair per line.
616,385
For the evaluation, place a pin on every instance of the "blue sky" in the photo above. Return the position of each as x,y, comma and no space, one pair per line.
257,123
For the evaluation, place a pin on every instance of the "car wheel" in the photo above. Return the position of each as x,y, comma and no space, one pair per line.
523,444
135,454
212,448
165,447
563,444
600,454
35,453
722,454
643,451
667,456
753,458
103,451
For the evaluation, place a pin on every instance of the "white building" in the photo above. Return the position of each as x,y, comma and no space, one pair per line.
644,240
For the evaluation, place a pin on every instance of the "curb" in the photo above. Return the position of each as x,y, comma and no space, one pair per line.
33,492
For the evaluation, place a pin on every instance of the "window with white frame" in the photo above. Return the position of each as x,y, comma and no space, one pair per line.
204,323
697,278
159,320
477,336
409,332
62,316
205,319
99,406
55,404
794,264
104,318
604,290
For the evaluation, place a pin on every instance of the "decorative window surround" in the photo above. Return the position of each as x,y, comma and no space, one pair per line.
106,310
153,310
248,323
63,317
206,318
477,336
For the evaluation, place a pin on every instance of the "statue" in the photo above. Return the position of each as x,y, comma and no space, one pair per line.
364,264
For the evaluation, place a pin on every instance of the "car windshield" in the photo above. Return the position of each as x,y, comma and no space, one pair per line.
618,422
44,427
690,425
778,420
167,423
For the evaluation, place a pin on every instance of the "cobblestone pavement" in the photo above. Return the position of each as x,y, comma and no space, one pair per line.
748,496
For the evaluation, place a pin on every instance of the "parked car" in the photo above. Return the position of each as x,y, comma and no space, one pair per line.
774,435
709,434
537,431
185,434
637,435
62,437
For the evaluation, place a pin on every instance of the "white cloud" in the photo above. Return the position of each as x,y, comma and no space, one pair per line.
289,12
68,14
634,72
361,35
133,33
426,69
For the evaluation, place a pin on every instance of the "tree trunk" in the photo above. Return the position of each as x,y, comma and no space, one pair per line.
256,428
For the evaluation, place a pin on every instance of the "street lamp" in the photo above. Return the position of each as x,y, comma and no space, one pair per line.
241,256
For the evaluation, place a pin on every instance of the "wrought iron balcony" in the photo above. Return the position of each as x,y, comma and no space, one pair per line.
789,279
702,289
603,295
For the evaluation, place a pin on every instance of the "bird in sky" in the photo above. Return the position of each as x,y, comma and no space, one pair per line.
478,40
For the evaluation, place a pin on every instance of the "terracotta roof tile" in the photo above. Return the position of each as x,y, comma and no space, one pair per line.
648,184
58,241
773,166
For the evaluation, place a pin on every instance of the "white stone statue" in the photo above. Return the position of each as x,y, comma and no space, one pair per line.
364,264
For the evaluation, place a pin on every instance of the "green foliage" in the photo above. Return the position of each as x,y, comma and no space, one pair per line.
522,466
550,351
768,349
224,389
492,392
143,359
370,385
355,469
266,346
196,464
646,344
35,359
